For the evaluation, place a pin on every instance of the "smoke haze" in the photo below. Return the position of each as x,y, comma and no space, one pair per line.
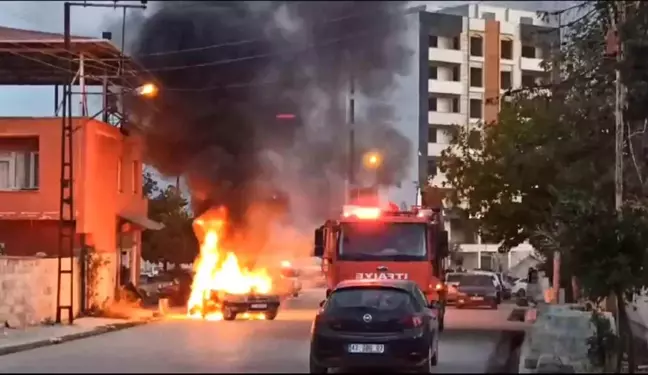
227,68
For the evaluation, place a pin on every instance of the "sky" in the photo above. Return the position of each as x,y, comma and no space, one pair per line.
48,16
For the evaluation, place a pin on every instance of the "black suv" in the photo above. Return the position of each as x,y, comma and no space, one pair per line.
375,324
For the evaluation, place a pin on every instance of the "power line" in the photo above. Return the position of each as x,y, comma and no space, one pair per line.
248,41
258,56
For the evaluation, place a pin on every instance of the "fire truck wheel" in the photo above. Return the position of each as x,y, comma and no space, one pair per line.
228,314
271,315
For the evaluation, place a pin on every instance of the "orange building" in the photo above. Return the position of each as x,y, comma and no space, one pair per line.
110,206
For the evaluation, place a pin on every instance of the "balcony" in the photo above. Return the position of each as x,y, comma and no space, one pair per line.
445,55
533,65
446,118
492,248
445,87
434,149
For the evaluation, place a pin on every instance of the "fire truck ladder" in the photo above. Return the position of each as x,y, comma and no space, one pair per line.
67,227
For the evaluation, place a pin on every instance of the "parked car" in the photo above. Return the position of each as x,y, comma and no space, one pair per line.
502,291
289,278
520,287
179,290
452,283
477,290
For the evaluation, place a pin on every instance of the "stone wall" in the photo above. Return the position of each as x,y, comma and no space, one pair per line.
557,341
28,287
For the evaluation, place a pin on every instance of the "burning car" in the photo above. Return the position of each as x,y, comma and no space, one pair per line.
222,289
229,306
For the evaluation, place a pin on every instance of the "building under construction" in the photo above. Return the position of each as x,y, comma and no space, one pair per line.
71,183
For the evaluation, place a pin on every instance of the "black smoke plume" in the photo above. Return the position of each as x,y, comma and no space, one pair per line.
226,69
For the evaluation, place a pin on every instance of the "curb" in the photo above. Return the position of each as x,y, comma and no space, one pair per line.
74,336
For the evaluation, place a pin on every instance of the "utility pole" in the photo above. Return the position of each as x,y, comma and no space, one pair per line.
351,172
67,219
555,71
619,104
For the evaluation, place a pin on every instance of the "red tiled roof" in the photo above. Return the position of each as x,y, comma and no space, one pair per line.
22,35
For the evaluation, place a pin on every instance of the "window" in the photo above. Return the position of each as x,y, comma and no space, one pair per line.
488,16
452,132
19,170
474,139
475,108
476,46
399,242
456,73
433,41
432,166
432,72
529,52
456,43
528,80
506,49
432,134
526,20
476,77
505,80
135,180
385,301
455,106
432,104
120,187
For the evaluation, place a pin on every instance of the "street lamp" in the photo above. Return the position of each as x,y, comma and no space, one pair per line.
149,90
372,160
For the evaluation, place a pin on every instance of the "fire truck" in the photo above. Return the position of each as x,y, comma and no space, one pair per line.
369,242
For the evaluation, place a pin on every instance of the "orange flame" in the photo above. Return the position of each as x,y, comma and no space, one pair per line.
217,270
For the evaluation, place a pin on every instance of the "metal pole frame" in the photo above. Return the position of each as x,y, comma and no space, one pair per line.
66,201
67,227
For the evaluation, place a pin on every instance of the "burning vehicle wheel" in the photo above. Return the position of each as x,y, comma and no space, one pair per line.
271,315
228,314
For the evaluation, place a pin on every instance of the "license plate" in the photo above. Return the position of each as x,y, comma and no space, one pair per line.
367,348
259,305
477,298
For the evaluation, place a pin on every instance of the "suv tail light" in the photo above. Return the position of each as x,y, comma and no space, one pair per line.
412,321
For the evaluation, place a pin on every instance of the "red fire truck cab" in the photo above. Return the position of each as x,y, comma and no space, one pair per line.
371,243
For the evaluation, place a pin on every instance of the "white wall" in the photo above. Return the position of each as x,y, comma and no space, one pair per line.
28,287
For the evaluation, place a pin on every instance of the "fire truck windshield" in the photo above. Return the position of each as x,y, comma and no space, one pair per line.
378,241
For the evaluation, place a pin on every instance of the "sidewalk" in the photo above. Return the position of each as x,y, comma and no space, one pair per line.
17,340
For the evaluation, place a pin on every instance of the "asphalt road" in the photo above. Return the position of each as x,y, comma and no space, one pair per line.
182,345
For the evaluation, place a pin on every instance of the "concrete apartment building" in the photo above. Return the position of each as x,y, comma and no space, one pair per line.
469,56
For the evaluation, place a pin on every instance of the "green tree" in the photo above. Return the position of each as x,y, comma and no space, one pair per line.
149,185
175,243
544,171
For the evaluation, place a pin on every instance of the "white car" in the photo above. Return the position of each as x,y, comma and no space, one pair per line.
519,288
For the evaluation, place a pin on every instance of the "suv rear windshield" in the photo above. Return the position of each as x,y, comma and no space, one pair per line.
476,280
383,299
